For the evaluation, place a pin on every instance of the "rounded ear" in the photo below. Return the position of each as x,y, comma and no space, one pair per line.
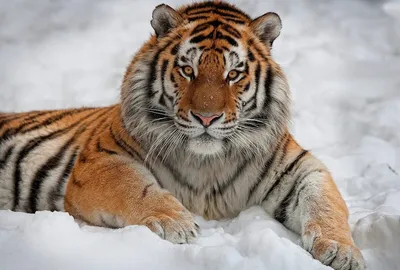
267,27
164,19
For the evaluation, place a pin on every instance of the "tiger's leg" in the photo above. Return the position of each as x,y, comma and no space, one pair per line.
308,202
324,223
114,191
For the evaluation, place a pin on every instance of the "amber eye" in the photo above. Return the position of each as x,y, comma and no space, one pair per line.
232,75
188,71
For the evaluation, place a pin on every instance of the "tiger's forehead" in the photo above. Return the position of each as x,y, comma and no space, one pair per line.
215,32
214,36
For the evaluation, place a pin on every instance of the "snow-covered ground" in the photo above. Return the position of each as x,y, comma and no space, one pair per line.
342,59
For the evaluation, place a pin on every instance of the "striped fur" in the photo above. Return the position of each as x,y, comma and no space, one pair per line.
202,127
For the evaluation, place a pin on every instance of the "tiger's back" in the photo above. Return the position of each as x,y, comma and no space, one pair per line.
38,151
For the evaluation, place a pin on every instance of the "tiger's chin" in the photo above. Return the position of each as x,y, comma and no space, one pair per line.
205,145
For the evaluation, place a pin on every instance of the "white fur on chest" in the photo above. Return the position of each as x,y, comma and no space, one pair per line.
215,190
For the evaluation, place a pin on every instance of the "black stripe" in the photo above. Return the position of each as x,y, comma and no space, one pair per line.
257,82
8,119
210,12
53,119
249,106
26,116
101,149
5,159
199,28
55,193
284,149
153,70
32,119
82,157
172,77
31,145
189,51
213,199
51,164
234,20
266,169
213,6
268,89
192,19
161,101
9,132
183,59
227,38
235,56
179,178
159,117
258,50
285,172
175,49
247,87
125,146
250,56
297,196
214,23
224,15
163,71
239,171
200,38
294,162
280,213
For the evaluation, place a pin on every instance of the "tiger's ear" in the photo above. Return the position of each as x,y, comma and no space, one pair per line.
267,27
164,19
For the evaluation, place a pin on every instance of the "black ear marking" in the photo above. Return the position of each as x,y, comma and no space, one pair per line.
164,19
267,27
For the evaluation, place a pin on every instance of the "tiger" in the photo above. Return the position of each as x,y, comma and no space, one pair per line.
202,128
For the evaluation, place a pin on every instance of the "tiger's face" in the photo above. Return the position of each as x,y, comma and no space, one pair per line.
209,73
209,78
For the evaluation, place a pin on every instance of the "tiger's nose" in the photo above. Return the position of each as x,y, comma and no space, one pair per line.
206,119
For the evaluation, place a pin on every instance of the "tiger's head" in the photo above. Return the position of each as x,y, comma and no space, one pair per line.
206,81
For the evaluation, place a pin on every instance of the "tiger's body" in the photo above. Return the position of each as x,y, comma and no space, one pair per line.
202,127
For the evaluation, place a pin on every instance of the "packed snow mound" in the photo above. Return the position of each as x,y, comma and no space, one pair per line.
342,59
55,241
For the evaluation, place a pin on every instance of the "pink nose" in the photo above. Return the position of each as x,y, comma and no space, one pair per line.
205,119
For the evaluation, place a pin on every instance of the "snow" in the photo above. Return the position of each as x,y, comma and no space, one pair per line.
342,59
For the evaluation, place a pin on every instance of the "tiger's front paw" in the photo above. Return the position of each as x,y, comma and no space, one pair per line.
340,256
173,223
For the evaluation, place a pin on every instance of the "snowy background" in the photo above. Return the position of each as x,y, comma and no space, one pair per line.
342,59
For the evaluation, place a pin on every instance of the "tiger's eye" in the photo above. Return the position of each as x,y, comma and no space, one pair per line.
232,75
188,70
